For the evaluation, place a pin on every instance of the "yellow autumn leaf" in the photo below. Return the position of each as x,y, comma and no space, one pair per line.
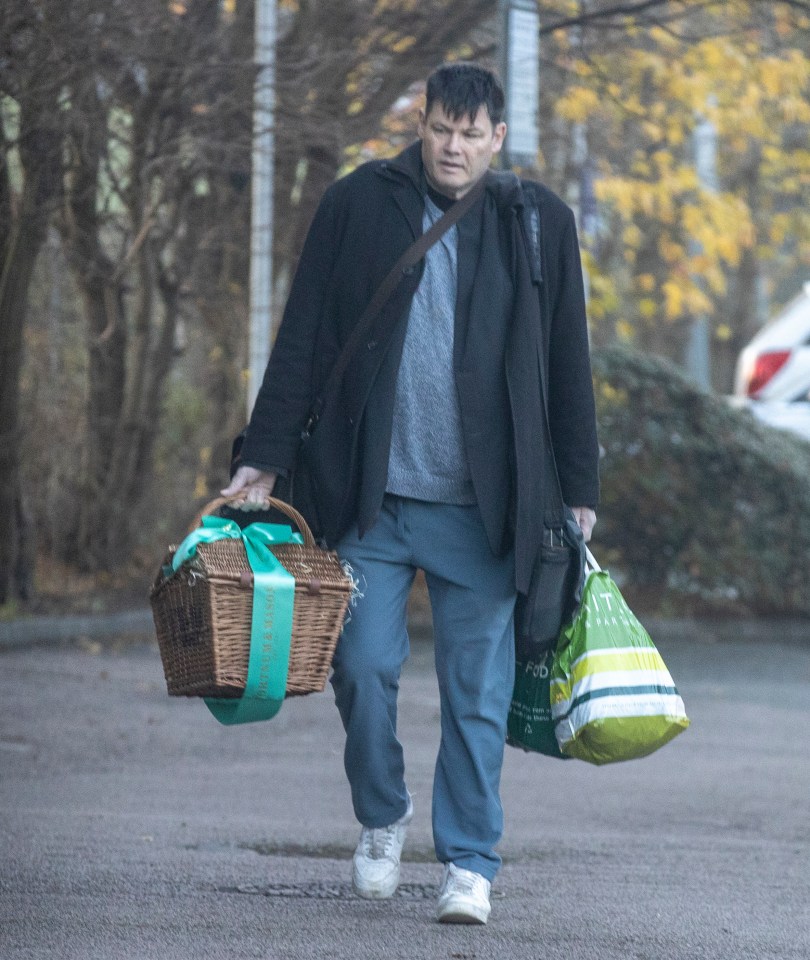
647,307
671,252
632,236
723,332
403,44
577,104
673,299
625,330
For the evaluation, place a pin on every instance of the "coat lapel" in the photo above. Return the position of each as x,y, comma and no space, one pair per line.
470,232
407,199
405,171
484,299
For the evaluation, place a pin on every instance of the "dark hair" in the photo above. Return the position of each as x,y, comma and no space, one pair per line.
461,88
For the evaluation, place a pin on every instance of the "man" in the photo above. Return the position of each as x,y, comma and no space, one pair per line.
431,455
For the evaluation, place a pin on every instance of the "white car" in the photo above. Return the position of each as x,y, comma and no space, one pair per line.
773,371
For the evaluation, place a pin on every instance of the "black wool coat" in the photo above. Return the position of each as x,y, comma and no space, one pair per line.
518,305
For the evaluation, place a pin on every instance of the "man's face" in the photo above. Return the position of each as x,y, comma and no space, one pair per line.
457,153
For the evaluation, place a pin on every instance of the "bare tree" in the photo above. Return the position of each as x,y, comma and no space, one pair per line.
29,185
135,143
117,120
340,69
127,126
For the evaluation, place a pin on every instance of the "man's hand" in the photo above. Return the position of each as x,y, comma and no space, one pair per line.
586,519
256,485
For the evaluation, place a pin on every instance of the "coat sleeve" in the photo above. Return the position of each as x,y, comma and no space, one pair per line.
286,394
572,413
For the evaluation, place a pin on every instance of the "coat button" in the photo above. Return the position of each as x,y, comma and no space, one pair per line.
371,344
407,271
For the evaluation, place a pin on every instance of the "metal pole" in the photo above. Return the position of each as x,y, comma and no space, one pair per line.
520,64
698,347
261,198
503,67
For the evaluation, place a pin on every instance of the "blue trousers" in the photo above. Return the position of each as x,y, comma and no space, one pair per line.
472,596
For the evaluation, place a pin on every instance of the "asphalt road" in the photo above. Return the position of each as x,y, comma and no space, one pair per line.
133,825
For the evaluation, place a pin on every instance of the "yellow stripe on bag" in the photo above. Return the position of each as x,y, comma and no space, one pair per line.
628,660
609,661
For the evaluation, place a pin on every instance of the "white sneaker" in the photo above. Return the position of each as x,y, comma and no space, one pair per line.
463,896
375,867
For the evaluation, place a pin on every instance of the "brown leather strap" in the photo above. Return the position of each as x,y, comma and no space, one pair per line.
409,258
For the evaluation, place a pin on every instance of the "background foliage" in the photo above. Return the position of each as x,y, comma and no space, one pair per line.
665,246
704,508
124,217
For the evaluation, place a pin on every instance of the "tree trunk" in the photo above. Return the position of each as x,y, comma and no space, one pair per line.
744,304
23,224
18,255
107,344
126,388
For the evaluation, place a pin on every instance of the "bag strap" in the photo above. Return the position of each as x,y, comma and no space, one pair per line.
554,503
409,258
554,506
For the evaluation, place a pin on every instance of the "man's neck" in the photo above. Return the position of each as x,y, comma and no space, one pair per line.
442,201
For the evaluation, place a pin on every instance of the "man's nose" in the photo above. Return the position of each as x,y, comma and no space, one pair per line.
453,143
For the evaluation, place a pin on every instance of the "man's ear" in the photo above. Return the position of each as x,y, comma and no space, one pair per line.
420,127
498,135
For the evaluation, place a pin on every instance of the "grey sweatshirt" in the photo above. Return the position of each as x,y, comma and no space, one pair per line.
427,459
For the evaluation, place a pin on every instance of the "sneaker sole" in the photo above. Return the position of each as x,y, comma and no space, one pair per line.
468,915
383,892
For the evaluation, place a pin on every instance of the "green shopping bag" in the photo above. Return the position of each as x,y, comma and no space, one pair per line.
612,697
530,724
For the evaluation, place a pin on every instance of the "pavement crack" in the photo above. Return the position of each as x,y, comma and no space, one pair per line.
323,890
327,851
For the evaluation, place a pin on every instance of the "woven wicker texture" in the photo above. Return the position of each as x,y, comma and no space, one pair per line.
203,615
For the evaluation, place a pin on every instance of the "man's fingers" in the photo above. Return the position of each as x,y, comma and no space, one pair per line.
243,477
253,485
258,494
586,518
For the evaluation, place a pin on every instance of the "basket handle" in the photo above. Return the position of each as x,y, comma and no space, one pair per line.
285,508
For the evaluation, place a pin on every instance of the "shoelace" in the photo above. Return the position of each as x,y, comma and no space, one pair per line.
467,883
377,842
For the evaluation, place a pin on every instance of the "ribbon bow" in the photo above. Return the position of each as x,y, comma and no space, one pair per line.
272,616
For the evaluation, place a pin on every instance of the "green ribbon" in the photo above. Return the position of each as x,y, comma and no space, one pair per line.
272,616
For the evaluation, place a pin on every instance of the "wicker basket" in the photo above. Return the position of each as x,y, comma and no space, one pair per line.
203,614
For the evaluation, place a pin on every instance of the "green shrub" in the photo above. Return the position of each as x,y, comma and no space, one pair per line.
704,510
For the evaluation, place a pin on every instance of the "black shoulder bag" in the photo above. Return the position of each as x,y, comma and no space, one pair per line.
558,577
555,590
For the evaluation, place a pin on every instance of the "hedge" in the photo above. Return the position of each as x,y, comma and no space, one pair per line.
704,509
